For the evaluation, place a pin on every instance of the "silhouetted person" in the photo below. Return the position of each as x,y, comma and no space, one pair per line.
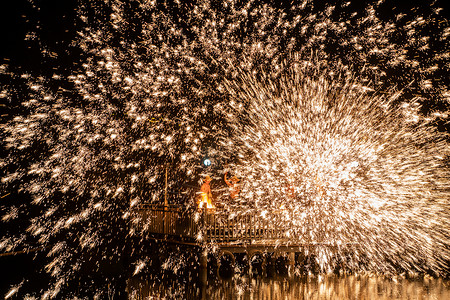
205,193
233,185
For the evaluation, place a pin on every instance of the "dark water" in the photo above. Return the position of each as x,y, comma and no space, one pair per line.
157,284
298,287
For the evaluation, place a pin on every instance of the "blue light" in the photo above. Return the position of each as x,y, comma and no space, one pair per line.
207,162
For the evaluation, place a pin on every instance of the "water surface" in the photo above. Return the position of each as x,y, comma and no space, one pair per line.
297,287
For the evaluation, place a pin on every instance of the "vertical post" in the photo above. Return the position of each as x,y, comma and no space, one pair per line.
228,229
250,227
203,272
205,223
291,263
213,235
166,204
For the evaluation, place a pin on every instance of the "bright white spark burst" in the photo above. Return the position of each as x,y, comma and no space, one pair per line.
320,98
362,172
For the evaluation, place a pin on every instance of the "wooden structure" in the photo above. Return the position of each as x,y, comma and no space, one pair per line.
253,233
226,228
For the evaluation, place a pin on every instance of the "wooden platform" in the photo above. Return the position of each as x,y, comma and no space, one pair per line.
229,233
224,228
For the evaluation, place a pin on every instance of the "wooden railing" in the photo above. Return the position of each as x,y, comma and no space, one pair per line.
167,220
213,224
223,226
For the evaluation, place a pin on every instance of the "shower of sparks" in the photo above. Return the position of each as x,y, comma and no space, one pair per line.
362,169
327,100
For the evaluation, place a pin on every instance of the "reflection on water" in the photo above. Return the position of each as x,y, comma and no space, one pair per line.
305,287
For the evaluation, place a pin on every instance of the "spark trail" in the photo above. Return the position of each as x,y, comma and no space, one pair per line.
342,102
